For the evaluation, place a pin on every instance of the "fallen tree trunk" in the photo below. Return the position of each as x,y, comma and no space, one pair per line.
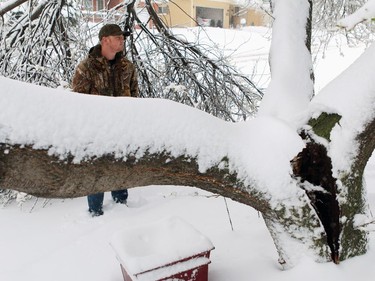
37,173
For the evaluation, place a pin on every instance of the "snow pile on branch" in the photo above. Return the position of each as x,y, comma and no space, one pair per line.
351,95
86,127
366,12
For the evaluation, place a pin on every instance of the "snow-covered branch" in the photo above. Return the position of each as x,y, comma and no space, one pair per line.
291,86
10,5
365,13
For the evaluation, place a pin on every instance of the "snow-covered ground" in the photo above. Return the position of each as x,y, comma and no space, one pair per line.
57,239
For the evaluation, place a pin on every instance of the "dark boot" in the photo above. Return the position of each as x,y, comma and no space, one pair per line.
120,196
95,202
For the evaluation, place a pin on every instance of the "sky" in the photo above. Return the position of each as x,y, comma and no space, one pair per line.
58,240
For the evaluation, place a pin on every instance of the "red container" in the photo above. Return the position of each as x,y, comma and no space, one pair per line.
193,268
166,250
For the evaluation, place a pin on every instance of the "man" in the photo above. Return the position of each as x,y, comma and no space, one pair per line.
107,72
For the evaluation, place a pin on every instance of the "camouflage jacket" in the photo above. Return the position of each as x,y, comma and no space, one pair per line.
96,75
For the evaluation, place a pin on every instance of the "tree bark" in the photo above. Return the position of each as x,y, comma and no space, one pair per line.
354,240
39,174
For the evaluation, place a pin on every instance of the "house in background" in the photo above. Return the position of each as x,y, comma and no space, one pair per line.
189,13
100,5
218,13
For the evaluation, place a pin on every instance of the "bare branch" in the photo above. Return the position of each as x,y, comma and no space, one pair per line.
10,5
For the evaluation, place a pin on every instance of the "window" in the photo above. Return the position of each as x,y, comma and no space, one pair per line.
87,5
210,16
163,9
100,5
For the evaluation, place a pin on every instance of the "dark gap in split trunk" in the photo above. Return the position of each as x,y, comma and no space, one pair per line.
312,165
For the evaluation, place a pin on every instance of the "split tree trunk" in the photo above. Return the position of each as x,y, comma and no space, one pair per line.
38,173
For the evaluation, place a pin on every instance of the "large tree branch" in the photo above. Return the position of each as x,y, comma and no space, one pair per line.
37,173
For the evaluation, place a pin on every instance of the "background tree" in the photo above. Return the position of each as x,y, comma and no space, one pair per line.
36,41
44,42
328,13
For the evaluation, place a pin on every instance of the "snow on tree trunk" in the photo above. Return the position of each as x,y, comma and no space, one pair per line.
291,86
335,190
286,98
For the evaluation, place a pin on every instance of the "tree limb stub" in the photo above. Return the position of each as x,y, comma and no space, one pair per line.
322,126
37,173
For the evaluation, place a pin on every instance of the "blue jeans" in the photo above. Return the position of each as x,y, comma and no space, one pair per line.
95,201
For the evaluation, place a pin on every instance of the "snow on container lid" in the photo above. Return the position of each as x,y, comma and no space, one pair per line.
146,247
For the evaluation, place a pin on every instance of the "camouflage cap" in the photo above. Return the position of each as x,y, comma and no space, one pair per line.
110,29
